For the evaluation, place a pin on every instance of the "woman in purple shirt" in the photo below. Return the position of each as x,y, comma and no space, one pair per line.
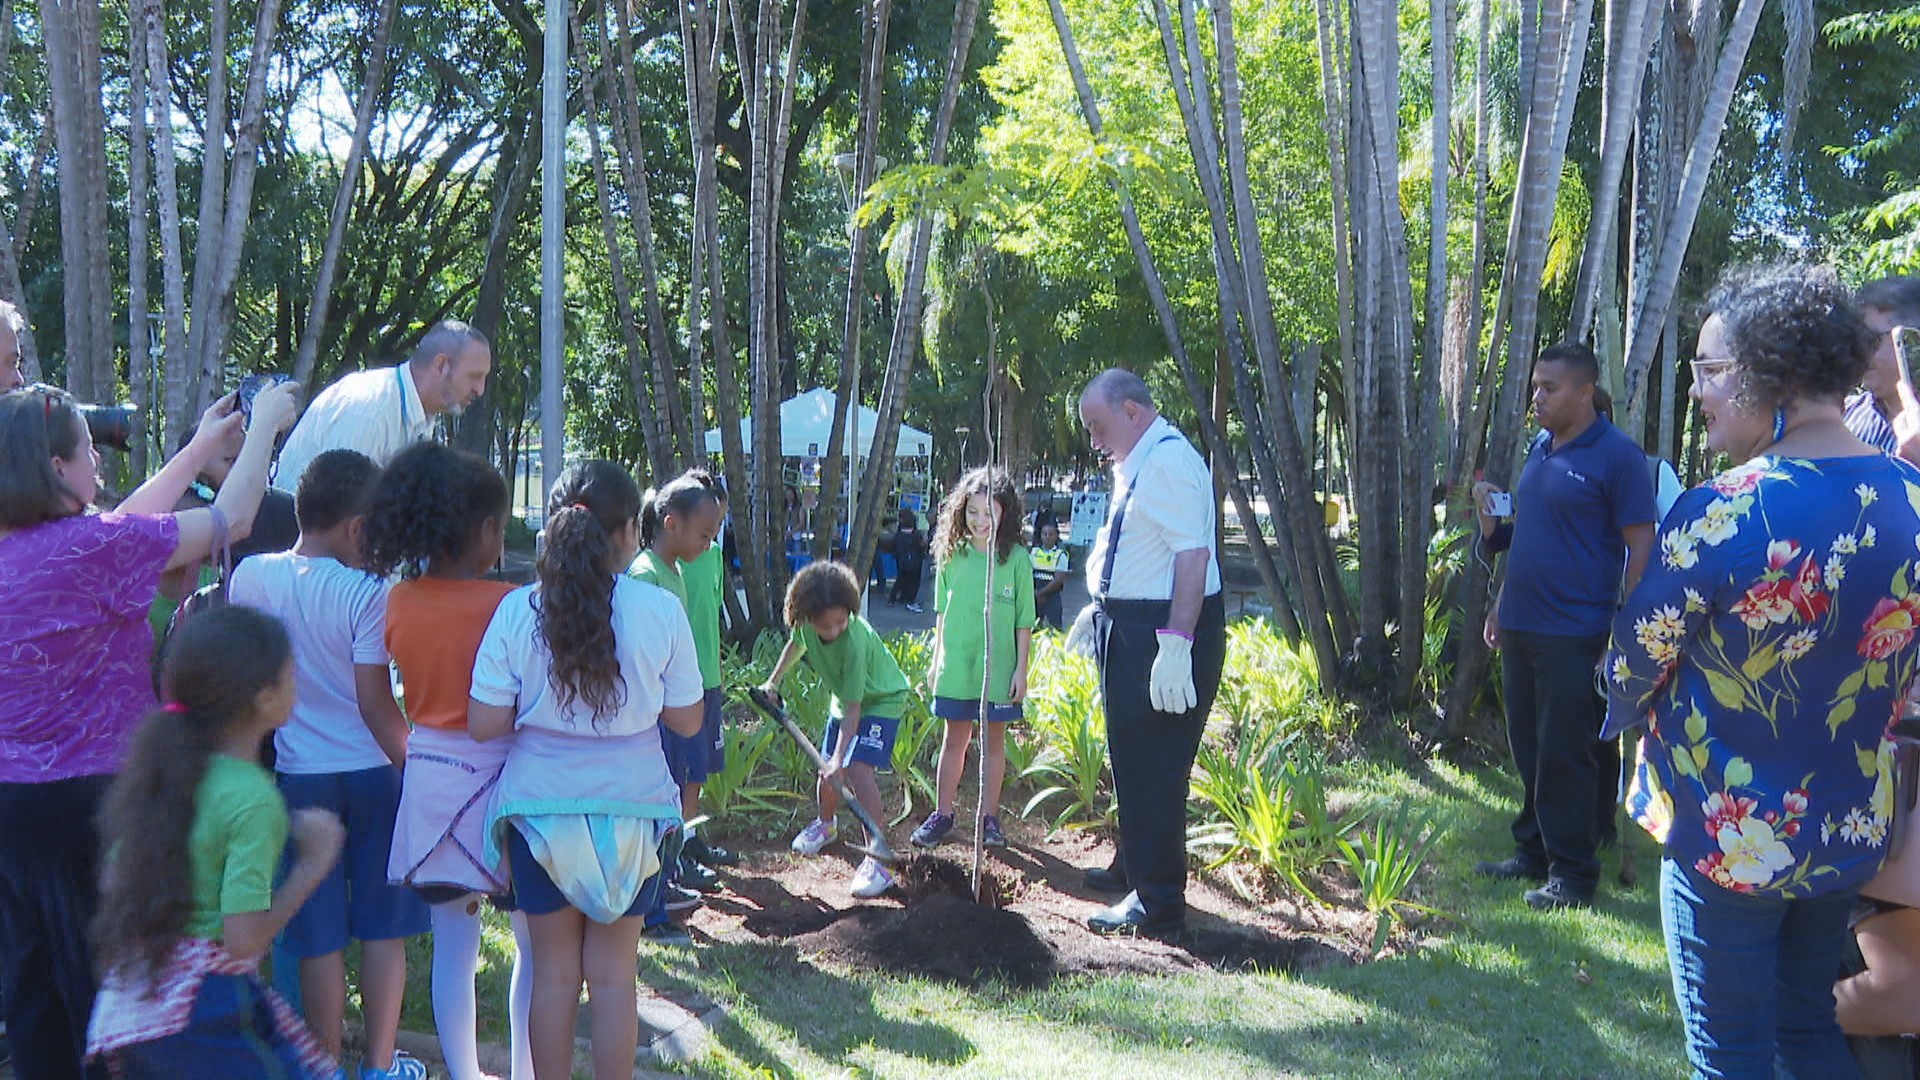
74,677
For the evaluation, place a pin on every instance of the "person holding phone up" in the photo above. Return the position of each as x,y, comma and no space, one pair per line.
1583,508
1873,414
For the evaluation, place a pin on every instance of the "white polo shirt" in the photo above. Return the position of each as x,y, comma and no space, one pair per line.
1168,494
377,412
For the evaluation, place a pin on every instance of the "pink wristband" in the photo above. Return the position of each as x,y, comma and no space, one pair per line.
1177,634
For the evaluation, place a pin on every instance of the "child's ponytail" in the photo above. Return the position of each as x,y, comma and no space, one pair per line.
217,666
591,501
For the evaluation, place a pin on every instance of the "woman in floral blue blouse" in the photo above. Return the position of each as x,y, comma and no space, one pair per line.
1766,650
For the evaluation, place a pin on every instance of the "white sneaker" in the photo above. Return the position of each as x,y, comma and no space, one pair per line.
816,835
871,879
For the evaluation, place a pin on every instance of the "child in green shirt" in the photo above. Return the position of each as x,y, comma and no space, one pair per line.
869,695
977,548
677,526
194,829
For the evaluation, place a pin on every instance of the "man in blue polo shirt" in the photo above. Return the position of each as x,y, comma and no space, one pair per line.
1583,509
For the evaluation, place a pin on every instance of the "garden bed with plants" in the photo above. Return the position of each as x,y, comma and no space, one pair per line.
1289,876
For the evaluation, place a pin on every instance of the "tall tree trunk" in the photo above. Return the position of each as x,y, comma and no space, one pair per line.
73,65
514,169
678,436
209,223
172,254
372,88
1646,324
239,202
14,236
1563,34
874,18
139,159
904,351
648,405
1417,464
1467,440
1626,65
1219,451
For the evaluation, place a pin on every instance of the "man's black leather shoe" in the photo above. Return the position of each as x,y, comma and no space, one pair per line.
1512,868
1129,917
1106,879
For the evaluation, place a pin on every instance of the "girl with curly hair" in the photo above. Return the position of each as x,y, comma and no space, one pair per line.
194,827
580,668
1765,649
438,520
977,542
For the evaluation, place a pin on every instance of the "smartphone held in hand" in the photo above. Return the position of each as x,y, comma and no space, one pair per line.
1500,503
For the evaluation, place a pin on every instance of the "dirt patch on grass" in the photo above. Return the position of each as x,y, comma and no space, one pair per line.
1031,930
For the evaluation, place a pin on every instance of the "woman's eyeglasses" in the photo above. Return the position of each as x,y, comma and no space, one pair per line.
1708,369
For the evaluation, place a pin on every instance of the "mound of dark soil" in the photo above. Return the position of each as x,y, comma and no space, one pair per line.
943,936
922,876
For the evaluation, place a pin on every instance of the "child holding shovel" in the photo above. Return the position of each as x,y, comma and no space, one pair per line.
869,694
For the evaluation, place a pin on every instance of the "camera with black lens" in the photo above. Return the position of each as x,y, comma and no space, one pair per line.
114,426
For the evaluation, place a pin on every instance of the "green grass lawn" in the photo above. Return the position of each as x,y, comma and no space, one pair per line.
1496,990
1493,990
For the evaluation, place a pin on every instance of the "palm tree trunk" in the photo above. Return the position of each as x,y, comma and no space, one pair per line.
660,458
139,158
1217,446
172,253
1649,322
239,202
679,440
1563,33
874,19
371,90
904,351
213,175
1626,65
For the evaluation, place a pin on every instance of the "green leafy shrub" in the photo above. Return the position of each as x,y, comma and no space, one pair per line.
1385,862
1265,799
1068,737
1271,682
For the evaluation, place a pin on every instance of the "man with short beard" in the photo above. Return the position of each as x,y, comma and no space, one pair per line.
381,411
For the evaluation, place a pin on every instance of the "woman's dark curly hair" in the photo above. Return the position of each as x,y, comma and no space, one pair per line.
951,534
217,665
820,587
428,508
574,607
1793,331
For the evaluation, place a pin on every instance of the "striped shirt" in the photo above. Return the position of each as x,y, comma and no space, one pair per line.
1869,424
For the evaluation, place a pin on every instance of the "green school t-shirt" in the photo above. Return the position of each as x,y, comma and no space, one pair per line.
856,666
239,830
704,578
959,595
654,570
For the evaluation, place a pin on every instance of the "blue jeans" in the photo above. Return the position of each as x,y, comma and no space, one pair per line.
1753,976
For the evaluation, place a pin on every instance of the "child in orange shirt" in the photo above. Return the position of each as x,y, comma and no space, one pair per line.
439,519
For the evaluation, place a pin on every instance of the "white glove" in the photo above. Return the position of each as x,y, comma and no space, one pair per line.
1171,685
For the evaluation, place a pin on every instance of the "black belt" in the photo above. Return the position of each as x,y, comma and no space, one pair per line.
1155,611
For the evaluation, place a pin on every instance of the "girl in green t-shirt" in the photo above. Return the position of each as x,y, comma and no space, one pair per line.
677,525
977,550
869,694
194,828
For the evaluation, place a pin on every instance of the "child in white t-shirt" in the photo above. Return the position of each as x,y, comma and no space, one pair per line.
582,669
341,751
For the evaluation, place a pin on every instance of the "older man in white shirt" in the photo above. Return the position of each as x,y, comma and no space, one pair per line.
381,411
1160,629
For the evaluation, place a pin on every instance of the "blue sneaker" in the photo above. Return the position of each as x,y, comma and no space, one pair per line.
405,1067
933,830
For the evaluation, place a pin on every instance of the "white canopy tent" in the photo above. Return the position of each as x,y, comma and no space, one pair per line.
806,422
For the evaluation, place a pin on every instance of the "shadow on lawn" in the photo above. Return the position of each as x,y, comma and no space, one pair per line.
831,1015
